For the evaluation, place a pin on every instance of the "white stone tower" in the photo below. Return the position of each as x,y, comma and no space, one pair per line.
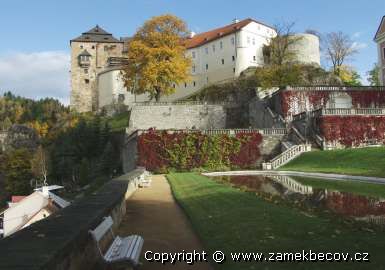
89,56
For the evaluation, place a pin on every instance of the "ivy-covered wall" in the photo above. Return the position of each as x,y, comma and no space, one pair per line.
161,151
352,130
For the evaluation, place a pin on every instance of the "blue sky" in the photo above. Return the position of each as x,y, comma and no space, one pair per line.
34,47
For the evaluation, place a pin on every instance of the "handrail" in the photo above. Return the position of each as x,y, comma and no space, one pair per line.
353,111
335,88
231,132
286,156
298,134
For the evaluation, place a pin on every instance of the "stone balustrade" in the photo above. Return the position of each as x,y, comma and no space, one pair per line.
286,156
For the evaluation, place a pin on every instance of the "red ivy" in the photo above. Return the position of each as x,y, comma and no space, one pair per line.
352,130
153,146
249,151
367,98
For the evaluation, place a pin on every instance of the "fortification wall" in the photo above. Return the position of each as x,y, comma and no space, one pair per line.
175,116
62,241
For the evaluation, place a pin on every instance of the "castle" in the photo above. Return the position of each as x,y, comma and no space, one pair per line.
218,55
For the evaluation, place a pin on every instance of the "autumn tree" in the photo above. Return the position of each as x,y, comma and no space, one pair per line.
338,47
157,58
349,76
40,165
374,76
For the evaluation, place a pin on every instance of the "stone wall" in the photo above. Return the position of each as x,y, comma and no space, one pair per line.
270,146
62,241
173,116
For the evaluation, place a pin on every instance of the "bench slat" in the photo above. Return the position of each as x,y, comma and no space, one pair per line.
103,227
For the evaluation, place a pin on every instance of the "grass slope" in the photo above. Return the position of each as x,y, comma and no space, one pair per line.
362,161
231,220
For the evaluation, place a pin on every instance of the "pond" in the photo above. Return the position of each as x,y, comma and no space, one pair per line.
355,201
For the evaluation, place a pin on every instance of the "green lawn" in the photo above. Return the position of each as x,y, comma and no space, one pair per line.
231,220
362,161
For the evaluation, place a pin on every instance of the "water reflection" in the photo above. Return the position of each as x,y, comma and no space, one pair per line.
349,205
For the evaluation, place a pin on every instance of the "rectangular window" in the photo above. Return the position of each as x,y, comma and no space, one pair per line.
194,83
233,58
254,58
207,79
383,53
233,70
81,46
86,71
232,41
213,47
193,54
193,68
185,85
221,45
223,61
87,81
253,41
248,40
207,50
207,66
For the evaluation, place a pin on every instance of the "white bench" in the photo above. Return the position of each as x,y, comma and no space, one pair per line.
145,180
121,250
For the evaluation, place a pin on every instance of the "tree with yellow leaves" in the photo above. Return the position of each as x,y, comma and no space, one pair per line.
157,58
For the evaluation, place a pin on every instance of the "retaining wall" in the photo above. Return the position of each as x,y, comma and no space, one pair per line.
62,241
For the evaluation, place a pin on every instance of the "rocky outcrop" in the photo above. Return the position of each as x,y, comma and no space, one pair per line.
20,136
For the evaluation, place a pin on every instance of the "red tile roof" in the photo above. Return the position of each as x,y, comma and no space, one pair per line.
16,199
203,38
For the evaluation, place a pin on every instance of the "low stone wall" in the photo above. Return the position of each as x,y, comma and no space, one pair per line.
270,147
62,241
177,116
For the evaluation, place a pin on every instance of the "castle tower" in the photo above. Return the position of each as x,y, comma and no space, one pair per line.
89,56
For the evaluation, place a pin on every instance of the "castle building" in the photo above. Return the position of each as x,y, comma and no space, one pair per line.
89,55
380,39
218,55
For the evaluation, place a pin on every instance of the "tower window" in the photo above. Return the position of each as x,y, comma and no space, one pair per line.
383,53
81,46
254,58
86,71
193,68
221,45
207,50
93,47
233,58
87,81
223,61
232,41
185,85
194,83
233,70
207,66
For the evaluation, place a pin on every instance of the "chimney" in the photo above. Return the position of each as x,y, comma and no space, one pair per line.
191,34
235,20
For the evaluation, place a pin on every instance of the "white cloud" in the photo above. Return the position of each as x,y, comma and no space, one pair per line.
36,75
359,45
356,35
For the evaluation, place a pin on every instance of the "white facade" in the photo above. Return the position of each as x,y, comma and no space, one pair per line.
307,49
225,58
111,89
380,40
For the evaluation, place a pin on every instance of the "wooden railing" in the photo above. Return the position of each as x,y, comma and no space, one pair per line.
286,156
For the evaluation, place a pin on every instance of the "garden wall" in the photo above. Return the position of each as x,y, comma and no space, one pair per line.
62,241
291,101
177,116
351,130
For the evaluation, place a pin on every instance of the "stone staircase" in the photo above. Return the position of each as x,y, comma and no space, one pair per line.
286,156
